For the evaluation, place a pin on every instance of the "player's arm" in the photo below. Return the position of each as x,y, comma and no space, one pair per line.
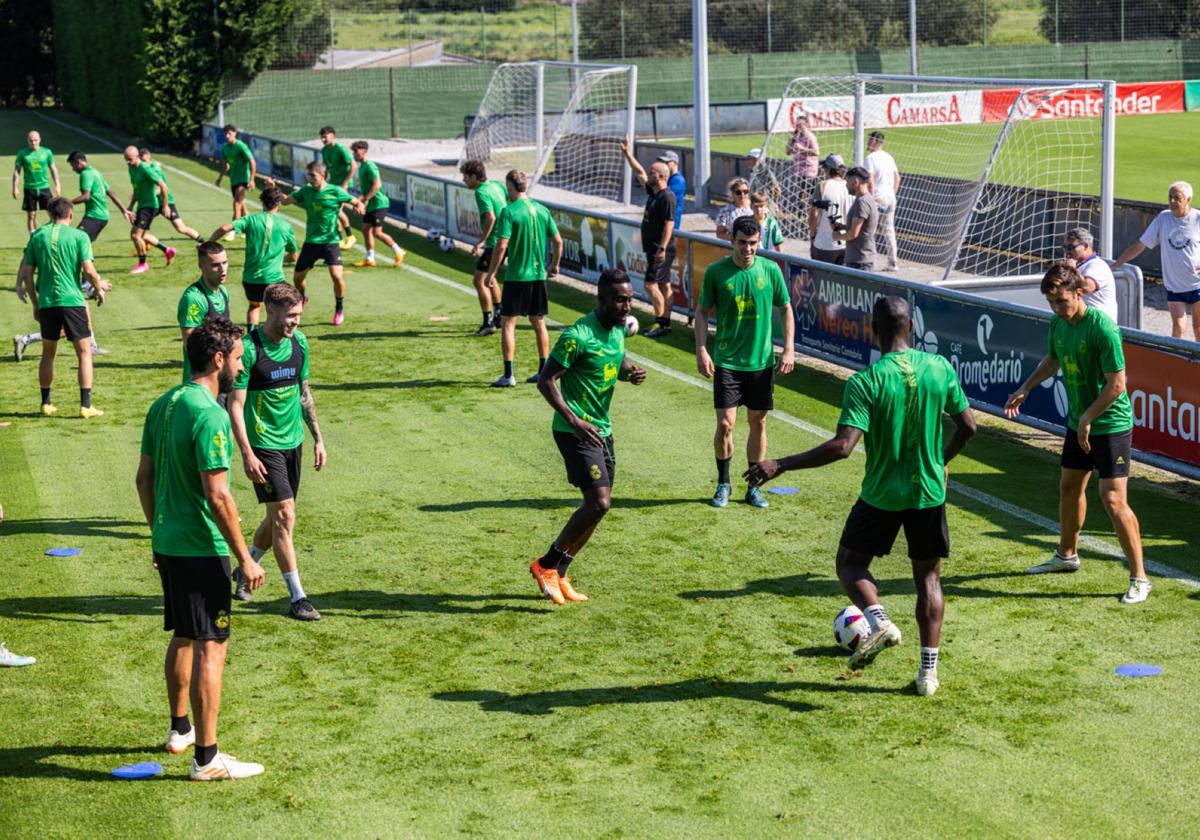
631,373
253,172
221,231
487,221
787,359
255,471
668,232
964,430
98,283
1046,368
376,186
82,198
215,484
638,170
16,178
26,287
497,258
145,488
162,201
1114,386
309,407
704,362
548,386
837,448
57,182
555,256
112,196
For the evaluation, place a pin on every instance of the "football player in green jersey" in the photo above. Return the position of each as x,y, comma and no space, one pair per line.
36,164
376,200
339,170
897,404
490,198
173,216
578,381
241,168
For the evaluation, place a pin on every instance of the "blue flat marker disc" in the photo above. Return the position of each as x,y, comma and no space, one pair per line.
782,491
63,552
144,770
1138,670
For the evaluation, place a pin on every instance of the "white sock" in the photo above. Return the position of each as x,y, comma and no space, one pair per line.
876,616
256,553
292,579
397,249
31,338
929,659
370,253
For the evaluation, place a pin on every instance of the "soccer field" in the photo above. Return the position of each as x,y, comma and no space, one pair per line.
698,693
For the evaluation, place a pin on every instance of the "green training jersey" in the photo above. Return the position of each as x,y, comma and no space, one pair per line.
743,298
186,433
491,197
93,183
527,226
57,252
162,176
195,304
145,185
238,155
772,234
368,174
337,159
35,167
268,238
898,403
321,212
592,355
1085,352
272,377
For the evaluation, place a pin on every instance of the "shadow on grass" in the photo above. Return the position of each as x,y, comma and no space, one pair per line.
371,336
35,763
83,527
402,385
546,702
813,586
549,504
374,604
90,609
138,365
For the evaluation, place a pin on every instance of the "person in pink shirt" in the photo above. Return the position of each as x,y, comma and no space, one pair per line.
805,152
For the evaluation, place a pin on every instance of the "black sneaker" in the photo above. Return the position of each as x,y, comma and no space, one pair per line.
533,378
242,592
658,331
304,610
486,329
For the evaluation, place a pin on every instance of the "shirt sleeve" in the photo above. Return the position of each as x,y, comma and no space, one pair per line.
289,240
30,257
551,227
1050,338
240,225
956,398
344,196
303,342
212,441
856,404
191,310
781,296
566,349
504,224
85,248
708,292
1150,237
669,199
299,197
148,434
153,175
248,359
1112,354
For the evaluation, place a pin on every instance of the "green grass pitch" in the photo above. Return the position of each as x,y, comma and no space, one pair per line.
698,693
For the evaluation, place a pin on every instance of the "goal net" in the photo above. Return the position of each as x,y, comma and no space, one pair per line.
559,122
992,172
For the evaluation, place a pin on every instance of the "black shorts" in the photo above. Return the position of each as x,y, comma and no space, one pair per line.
588,466
196,596
1109,455
55,320
1190,297
754,389
145,217
240,185
283,474
524,298
172,212
835,257
36,199
659,270
310,252
374,218
256,292
872,531
92,227
485,260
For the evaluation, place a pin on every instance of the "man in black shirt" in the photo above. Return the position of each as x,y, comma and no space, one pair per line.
658,238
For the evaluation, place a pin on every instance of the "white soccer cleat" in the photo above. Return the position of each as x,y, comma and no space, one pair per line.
1057,563
888,635
8,659
927,682
223,767
1139,590
177,743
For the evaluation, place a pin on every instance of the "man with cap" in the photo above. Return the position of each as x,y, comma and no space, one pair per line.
827,216
675,183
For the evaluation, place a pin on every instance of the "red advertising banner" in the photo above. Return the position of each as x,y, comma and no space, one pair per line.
1138,98
1164,390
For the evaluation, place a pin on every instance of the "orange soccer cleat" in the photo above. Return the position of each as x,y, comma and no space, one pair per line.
568,591
547,581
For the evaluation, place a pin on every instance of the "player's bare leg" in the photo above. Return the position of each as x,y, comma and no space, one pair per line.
723,451
178,224
931,607
178,670
1072,509
854,574
339,294
252,310
550,571
1114,497
542,337
208,667
756,450
299,280
31,221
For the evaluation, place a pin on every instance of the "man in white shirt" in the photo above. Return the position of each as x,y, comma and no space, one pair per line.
1177,229
1100,289
885,183
831,207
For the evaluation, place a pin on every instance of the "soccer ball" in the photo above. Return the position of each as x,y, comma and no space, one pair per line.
432,235
850,628
446,244
631,325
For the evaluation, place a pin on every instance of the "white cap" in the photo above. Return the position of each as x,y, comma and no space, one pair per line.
754,153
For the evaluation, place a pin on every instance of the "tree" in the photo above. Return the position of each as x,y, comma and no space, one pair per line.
27,72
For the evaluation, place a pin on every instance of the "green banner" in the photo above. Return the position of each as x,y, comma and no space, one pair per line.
1191,96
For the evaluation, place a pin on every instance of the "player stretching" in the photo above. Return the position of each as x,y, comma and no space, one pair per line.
740,290
376,202
339,169
269,241
241,169
1086,345
36,164
522,231
269,399
322,203
206,298
58,254
151,196
172,215
490,198
183,485
578,382
898,404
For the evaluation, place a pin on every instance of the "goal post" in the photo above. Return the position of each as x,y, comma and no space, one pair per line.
993,171
560,122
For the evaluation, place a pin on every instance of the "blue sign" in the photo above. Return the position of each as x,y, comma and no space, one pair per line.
833,314
992,350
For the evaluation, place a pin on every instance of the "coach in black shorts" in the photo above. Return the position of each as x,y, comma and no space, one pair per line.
658,238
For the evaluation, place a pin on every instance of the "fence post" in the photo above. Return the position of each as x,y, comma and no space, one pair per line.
749,76
395,128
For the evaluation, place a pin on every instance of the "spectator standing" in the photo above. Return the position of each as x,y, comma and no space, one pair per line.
739,192
658,237
829,212
772,234
1177,229
675,183
1099,287
805,152
861,222
885,184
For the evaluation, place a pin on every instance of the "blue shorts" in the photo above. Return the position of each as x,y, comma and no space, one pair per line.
1184,297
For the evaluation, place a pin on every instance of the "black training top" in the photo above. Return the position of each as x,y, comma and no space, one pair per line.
660,209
